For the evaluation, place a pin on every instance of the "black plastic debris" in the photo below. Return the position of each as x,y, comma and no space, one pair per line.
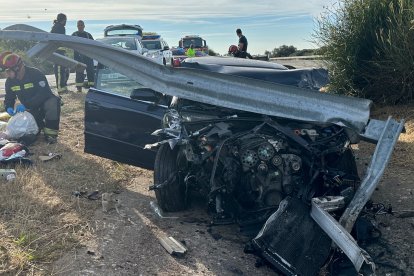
292,241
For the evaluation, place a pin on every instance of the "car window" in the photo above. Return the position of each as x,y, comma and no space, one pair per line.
139,45
123,42
111,81
197,42
152,44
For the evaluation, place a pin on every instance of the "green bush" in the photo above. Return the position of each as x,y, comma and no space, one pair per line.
369,47
20,48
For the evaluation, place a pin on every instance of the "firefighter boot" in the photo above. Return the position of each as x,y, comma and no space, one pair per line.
50,135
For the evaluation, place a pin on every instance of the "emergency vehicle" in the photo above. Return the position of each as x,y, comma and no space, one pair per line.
198,42
158,49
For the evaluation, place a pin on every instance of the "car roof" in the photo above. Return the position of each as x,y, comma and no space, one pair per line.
310,78
151,37
236,62
116,38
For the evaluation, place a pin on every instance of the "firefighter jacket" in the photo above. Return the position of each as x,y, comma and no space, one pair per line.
58,28
32,91
77,56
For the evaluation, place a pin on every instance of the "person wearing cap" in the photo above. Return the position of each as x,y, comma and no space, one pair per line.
61,72
30,87
90,72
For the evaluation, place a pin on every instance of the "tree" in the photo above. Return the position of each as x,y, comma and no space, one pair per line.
282,51
370,48
211,52
20,48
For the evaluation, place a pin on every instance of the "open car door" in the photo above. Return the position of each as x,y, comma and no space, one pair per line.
120,115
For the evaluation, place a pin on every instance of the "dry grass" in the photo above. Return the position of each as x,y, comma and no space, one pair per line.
40,219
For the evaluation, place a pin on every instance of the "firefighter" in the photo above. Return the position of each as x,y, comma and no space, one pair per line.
61,72
31,88
90,72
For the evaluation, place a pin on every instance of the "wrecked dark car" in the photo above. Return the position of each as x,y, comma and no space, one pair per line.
260,145
259,171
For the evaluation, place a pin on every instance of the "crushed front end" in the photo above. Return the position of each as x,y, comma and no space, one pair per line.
263,173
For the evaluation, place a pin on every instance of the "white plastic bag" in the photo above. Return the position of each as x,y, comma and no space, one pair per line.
23,123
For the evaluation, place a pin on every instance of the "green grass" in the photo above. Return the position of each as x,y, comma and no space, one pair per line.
370,48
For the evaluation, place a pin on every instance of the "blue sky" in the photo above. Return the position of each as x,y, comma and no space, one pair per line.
266,23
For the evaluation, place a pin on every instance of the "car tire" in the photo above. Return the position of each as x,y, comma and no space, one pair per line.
164,61
172,62
169,163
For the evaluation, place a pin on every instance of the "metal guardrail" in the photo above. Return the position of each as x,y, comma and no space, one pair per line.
214,88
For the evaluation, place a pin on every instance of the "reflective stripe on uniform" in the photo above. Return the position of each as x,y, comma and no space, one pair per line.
15,88
91,83
50,132
28,85
58,78
79,84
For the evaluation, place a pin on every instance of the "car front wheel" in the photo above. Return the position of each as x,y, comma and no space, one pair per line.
170,167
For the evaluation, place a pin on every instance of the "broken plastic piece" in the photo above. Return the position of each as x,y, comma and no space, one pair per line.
50,156
8,174
94,195
158,211
173,246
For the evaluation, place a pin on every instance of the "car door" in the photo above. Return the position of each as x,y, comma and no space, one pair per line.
118,126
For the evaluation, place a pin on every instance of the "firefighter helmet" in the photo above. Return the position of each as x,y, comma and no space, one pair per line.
9,60
233,49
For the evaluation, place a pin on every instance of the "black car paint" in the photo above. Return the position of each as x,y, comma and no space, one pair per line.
118,127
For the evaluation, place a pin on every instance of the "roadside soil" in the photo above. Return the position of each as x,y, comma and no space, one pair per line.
125,240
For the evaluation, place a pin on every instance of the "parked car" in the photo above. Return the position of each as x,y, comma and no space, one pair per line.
131,43
158,49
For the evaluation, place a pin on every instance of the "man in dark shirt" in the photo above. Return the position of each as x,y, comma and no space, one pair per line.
242,47
61,73
90,72
30,86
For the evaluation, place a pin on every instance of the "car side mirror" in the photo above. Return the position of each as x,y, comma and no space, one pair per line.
145,94
166,48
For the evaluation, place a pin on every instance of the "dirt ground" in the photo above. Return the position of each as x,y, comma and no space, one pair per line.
124,241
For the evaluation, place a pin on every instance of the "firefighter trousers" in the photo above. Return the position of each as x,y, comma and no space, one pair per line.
48,116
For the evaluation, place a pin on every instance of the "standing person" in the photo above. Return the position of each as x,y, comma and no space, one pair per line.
31,88
90,72
242,47
61,73
191,52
